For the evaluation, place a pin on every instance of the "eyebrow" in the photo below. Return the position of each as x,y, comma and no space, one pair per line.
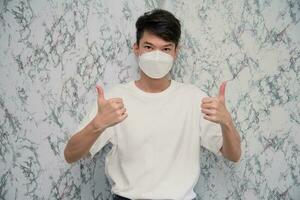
166,45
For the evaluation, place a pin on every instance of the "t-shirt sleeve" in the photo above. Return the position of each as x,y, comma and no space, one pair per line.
210,133
211,136
105,136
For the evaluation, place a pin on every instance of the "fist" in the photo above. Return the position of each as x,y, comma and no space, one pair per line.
110,111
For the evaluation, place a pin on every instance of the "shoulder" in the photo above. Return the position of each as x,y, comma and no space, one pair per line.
116,89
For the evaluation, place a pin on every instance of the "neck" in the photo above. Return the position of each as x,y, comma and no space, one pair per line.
148,84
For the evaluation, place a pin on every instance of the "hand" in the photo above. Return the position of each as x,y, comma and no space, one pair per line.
214,108
110,112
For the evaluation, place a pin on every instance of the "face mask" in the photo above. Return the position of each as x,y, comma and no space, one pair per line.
155,64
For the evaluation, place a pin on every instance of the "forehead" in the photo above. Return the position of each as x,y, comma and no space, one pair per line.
150,38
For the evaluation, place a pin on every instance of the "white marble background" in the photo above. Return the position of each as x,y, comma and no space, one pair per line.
52,53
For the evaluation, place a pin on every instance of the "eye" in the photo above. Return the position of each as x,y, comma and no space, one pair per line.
147,47
166,50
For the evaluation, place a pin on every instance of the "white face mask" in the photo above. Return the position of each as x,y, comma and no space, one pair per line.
155,64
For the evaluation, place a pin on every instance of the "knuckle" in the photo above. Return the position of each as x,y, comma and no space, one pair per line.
115,106
118,99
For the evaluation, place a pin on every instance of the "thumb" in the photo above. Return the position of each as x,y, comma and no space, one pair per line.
100,92
222,91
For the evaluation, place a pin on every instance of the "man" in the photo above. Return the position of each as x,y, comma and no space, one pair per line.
156,125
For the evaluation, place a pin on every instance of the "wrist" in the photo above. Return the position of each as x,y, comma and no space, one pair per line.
227,124
97,124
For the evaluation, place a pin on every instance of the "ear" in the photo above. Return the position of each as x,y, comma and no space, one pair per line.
136,49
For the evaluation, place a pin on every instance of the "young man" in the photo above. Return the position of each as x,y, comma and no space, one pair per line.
156,125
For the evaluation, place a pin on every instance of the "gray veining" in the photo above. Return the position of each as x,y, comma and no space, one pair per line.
52,53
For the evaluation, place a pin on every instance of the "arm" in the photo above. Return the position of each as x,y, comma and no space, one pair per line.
110,112
214,110
231,148
79,144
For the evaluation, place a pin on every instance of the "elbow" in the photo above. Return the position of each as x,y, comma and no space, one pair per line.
237,157
71,157
234,156
67,156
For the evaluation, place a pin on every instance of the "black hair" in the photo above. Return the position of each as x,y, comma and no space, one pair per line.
161,23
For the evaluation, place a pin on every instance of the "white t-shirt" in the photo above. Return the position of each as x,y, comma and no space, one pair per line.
156,149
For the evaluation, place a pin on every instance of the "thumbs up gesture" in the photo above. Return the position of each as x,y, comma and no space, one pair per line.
214,108
110,111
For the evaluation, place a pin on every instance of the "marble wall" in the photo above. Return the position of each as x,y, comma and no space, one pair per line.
52,53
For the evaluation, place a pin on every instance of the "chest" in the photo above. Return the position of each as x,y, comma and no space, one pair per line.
169,119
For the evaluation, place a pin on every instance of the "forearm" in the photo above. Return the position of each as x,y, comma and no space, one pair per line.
80,143
231,142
